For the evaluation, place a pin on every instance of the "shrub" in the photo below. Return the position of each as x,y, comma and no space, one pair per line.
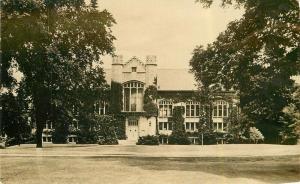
179,139
2,142
101,130
209,138
255,135
290,140
148,140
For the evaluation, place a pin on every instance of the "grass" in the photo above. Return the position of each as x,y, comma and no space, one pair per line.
95,169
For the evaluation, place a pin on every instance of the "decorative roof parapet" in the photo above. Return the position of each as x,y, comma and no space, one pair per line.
151,60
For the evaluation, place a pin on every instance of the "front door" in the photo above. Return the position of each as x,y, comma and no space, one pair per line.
133,129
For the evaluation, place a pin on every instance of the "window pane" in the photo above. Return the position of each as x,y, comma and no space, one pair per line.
192,126
188,110
127,99
160,125
170,126
215,126
215,111
133,99
161,110
220,110
224,110
192,110
197,110
187,126
219,126
165,126
170,110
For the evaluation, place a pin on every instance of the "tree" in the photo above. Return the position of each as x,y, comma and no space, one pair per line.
178,135
204,123
57,46
290,119
150,106
238,126
256,56
13,118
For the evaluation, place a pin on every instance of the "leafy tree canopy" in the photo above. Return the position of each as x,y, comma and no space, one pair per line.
256,56
57,46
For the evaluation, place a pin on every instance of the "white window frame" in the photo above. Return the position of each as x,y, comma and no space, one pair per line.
220,106
165,108
133,85
196,106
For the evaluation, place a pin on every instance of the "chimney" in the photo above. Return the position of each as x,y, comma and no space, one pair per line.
151,60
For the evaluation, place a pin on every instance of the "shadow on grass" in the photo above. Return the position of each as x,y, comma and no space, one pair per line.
279,169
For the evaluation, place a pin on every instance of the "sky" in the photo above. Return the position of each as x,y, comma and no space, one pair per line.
169,29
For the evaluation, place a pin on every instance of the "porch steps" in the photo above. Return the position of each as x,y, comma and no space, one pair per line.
127,142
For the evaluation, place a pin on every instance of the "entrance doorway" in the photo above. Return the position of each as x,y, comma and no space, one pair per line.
133,129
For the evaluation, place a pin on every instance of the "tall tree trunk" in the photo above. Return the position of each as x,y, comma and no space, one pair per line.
39,133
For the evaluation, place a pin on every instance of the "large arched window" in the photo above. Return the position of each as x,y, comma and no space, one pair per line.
133,96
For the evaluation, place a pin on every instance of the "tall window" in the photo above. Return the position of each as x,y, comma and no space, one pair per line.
193,109
101,108
133,96
165,108
220,109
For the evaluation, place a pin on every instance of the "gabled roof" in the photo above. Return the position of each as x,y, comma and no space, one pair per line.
175,80
169,79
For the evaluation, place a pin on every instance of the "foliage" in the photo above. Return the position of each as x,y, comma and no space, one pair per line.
291,122
149,106
209,138
256,56
13,118
116,97
178,136
179,139
238,126
98,129
205,120
150,109
148,140
119,123
2,142
150,94
57,46
255,135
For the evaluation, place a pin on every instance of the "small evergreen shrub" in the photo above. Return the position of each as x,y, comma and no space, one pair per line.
148,140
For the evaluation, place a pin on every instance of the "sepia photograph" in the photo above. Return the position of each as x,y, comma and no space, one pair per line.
150,92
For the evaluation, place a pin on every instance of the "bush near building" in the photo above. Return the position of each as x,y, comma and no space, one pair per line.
100,130
148,140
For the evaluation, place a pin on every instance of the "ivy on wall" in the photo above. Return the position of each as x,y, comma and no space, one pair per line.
150,107
178,136
116,98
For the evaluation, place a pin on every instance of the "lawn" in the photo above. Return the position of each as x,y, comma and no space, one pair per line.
133,164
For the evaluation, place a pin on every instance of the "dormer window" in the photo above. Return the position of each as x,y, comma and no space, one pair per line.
133,69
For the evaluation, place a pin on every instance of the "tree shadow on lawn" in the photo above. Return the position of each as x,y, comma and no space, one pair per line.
269,169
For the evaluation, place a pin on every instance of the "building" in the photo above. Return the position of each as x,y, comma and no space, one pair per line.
136,75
